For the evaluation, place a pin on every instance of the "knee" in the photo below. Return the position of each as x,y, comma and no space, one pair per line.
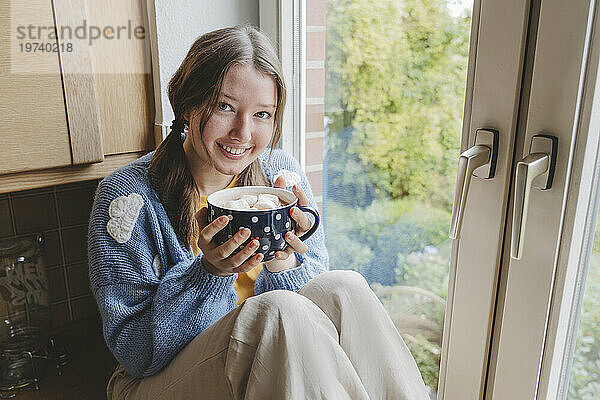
276,301
342,281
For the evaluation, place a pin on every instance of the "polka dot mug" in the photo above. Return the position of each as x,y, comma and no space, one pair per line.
267,226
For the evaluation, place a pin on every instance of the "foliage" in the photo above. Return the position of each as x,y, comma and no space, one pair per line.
347,253
372,239
414,231
394,92
395,80
584,381
397,245
346,181
396,72
428,270
427,361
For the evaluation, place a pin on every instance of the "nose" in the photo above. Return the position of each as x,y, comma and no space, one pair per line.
242,129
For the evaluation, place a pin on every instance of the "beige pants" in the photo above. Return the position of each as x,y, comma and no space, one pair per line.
331,340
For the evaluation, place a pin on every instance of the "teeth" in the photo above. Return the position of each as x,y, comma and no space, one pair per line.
232,150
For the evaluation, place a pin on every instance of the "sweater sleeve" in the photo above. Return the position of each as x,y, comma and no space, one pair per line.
316,260
153,297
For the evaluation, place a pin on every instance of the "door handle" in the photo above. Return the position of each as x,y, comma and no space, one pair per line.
479,160
535,170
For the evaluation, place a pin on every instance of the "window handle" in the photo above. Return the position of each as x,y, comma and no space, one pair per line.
479,160
535,170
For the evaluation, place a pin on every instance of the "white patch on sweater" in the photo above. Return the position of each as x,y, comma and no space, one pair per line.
123,212
291,178
156,265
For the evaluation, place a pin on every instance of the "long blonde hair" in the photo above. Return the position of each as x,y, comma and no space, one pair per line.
197,84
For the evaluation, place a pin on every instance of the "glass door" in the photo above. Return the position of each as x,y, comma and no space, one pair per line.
389,168
549,247
412,87
408,86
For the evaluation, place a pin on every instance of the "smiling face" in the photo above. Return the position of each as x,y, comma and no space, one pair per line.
239,129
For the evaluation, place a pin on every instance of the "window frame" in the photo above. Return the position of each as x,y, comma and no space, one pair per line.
577,238
285,23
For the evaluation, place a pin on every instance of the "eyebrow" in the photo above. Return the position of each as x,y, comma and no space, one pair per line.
260,105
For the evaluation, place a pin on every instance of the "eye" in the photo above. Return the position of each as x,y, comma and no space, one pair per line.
224,106
263,115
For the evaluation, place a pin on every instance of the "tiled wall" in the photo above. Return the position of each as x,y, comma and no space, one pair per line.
60,214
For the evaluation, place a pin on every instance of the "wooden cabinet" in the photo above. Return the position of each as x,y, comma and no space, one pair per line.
33,127
84,105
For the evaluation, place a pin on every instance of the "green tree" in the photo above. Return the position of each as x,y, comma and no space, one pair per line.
396,73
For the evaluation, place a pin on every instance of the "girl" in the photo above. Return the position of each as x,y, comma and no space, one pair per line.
184,317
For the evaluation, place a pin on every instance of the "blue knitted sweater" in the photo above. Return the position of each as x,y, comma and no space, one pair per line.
153,295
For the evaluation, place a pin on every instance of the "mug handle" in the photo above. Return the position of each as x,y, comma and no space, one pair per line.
315,225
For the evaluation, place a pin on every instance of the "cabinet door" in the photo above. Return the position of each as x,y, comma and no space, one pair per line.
87,94
33,122
116,55
124,80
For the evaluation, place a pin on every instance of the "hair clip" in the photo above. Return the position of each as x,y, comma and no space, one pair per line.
177,125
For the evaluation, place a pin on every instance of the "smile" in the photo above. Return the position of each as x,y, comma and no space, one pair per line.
234,151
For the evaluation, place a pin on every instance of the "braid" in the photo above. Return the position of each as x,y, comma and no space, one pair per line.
175,181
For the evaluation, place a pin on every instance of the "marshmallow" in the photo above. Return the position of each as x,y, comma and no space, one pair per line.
268,197
291,178
240,204
265,205
250,199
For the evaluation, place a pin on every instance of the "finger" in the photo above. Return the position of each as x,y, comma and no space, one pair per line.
208,232
302,198
303,223
295,242
247,252
202,217
227,248
279,182
284,254
249,264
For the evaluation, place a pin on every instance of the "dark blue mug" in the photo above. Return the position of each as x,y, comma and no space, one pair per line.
267,226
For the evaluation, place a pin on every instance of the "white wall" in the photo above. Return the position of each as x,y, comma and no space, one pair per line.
178,24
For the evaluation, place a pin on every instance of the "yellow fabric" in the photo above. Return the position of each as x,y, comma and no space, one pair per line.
244,284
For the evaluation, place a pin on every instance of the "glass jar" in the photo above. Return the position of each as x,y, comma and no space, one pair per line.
25,315
23,289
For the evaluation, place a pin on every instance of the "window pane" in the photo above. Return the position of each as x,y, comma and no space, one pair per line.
584,381
395,73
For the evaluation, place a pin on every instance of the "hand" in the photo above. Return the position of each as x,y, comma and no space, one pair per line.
282,258
218,260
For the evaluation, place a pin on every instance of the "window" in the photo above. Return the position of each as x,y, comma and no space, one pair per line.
385,85
393,84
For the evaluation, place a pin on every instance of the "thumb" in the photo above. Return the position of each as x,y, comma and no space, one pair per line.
280,182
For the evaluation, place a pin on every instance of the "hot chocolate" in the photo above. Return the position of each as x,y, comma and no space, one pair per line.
260,201
262,209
